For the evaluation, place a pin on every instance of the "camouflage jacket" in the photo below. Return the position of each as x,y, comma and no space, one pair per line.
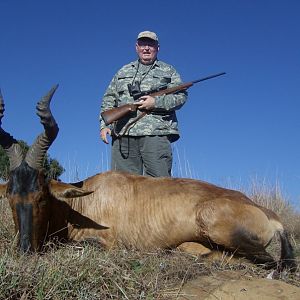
162,120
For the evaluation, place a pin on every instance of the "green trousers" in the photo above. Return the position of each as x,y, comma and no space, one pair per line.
143,155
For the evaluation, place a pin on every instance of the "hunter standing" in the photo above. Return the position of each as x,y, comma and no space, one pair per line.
144,147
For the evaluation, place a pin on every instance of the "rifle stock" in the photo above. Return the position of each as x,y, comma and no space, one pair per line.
111,115
114,114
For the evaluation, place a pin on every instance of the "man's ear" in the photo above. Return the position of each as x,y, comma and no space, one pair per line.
3,187
61,190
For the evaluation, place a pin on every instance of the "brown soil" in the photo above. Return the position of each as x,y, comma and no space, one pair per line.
233,285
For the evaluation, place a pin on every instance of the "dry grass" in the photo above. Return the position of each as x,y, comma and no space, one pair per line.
85,271
273,199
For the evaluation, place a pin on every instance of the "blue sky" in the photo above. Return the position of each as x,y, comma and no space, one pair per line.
235,129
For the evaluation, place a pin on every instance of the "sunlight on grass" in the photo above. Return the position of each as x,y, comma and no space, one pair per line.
86,271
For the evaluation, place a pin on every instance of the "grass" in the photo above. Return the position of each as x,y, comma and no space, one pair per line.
273,199
86,271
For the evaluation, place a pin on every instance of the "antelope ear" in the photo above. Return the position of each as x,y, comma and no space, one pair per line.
3,187
63,190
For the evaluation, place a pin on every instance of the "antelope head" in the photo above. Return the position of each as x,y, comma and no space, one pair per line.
27,188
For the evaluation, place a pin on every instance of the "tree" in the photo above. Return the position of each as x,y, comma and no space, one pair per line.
52,167
4,164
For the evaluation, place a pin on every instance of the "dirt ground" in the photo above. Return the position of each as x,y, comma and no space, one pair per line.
233,285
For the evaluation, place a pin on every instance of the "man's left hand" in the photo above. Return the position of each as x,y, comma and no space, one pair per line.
146,102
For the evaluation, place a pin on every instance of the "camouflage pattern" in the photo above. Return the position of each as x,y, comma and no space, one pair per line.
163,120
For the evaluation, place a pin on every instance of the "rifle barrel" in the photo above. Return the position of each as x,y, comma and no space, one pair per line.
209,77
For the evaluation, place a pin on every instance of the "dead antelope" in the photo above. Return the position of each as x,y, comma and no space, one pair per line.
132,211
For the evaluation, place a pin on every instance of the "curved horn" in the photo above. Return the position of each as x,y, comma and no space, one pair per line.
36,153
9,144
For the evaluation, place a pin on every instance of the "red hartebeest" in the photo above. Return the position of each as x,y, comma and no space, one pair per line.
129,210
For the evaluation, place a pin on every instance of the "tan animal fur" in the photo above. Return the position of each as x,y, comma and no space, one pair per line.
124,210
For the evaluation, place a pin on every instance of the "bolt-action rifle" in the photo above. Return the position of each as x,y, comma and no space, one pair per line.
114,114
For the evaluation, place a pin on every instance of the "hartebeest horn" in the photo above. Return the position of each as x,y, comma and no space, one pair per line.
9,144
38,150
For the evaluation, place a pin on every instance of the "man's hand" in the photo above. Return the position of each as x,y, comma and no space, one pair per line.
103,133
146,102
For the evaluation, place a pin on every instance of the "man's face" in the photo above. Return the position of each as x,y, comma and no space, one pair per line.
147,50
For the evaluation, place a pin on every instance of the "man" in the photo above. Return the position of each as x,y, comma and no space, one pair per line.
145,146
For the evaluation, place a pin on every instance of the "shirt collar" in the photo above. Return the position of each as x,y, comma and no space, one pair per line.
136,63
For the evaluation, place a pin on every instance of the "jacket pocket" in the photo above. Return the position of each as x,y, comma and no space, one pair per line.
162,80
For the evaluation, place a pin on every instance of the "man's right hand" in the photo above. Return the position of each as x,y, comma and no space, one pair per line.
103,134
